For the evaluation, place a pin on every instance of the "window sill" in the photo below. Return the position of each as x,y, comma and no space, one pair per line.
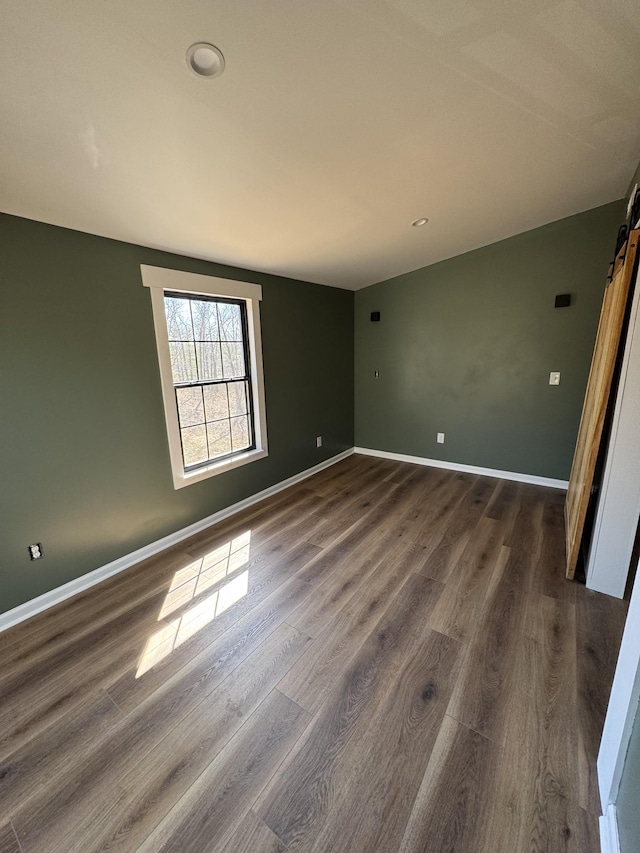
180,479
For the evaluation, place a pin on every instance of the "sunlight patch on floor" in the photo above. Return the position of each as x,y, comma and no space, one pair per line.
198,576
191,581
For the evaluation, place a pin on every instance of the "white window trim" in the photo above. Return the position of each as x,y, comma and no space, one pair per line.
158,279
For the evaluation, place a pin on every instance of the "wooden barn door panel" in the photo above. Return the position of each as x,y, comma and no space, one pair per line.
597,396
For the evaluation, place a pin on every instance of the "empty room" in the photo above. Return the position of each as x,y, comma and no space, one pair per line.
319,458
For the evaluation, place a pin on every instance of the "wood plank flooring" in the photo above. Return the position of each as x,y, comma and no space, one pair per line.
383,658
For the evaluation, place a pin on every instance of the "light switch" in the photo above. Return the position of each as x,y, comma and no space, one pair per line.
554,378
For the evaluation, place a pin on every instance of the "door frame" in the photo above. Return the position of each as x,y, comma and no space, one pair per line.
621,712
618,507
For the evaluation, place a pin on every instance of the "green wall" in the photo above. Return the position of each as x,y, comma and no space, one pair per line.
465,347
628,802
84,459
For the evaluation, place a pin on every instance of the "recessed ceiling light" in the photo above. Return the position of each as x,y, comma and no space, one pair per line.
205,60
419,222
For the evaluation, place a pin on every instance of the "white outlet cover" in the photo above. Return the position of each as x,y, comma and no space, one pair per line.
440,437
554,378
318,441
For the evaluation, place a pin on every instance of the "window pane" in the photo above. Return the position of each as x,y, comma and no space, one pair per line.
209,361
230,325
240,432
237,398
194,445
178,315
215,402
232,360
190,406
183,362
205,320
219,438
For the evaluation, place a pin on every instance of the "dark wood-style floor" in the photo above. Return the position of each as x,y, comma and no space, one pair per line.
383,658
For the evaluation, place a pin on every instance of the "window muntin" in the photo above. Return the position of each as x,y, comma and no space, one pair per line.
210,366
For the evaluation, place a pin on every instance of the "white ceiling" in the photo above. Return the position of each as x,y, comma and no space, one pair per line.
335,124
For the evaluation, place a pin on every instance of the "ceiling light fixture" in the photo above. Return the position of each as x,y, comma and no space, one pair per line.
205,60
417,223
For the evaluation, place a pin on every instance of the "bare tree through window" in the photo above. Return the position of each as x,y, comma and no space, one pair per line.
210,367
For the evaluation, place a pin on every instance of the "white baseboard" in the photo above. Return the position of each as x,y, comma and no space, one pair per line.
470,469
67,590
609,838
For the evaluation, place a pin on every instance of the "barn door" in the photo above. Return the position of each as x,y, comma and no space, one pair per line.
597,396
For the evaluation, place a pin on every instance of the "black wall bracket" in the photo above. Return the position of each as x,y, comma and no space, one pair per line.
563,300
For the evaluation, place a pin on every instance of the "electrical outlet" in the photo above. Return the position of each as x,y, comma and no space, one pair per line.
318,441
554,378
35,551
440,438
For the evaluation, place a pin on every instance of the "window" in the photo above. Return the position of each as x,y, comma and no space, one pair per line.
210,356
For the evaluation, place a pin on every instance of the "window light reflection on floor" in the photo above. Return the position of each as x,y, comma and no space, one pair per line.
191,581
